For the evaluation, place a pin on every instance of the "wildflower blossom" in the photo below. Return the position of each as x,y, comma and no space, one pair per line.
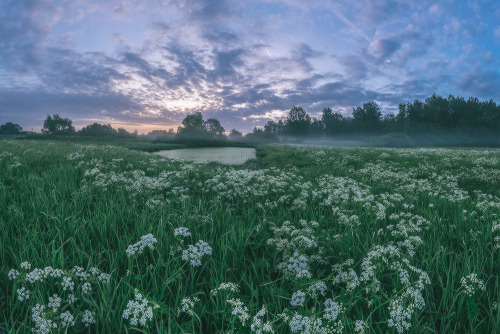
297,266
42,324
67,319
232,287
187,305
54,303
25,265
88,318
138,311
359,326
332,310
193,254
86,288
23,294
300,324
13,274
400,316
240,310
471,284
298,298
67,284
147,241
258,325
182,231
317,288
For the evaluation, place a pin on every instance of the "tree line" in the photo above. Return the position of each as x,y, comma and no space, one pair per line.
435,116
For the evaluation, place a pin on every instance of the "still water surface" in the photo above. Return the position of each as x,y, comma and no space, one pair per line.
225,155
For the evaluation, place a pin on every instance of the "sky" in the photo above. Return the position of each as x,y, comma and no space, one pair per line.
146,64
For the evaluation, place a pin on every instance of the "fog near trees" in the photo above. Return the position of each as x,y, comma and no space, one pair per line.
434,121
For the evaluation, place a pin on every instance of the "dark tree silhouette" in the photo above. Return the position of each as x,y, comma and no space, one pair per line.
57,125
213,127
368,118
235,134
192,126
98,130
10,128
298,122
333,122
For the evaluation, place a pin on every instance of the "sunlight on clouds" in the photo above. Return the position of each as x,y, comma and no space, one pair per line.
273,114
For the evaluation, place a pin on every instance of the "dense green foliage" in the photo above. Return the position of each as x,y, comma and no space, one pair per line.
10,128
435,120
405,241
57,125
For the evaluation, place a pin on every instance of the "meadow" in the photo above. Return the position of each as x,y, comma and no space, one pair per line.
103,239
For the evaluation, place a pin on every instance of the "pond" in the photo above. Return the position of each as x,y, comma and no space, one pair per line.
225,155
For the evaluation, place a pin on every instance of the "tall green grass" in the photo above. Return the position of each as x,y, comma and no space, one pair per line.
53,214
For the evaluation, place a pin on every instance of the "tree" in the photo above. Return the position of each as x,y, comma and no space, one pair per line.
123,133
213,127
298,122
57,125
368,119
235,134
10,128
98,130
157,134
192,126
332,122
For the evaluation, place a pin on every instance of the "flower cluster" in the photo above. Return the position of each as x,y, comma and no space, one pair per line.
139,311
239,310
147,241
62,308
182,232
472,284
260,326
194,253
187,305
232,287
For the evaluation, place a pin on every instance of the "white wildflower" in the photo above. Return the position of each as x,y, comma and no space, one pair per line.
67,284
88,318
225,287
54,303
359,326
187,305
332,310
67,319
13,274
472,284
193,254
86,288
23,294
25,265
317,288
240,310
138,311
182,231
147,240
298,298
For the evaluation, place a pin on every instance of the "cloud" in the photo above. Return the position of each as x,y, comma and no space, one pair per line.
384,48
480,82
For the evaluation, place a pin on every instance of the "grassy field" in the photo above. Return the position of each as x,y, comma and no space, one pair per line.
103,239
